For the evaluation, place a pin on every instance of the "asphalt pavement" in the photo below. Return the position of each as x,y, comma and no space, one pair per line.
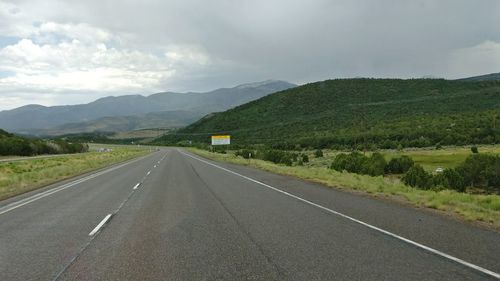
176,216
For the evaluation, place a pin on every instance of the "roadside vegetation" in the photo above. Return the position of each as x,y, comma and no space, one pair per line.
467,185
21,176
13,145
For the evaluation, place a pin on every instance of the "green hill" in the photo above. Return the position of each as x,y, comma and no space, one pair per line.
361,113
11,144
491,76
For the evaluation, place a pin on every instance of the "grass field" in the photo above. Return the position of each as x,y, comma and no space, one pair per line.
25,175
471,207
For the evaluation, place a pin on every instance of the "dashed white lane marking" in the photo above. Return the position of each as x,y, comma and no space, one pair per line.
406,240
136,186
98,227
149,172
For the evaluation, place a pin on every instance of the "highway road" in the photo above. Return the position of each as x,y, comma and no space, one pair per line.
175,216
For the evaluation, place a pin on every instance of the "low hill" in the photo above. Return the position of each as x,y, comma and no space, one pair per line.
31,119
11,144
361,113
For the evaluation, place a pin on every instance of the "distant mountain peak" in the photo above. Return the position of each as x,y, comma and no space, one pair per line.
262,83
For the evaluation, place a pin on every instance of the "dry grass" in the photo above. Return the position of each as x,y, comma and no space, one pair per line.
26,175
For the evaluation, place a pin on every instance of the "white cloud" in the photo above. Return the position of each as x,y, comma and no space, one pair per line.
79,57
73,48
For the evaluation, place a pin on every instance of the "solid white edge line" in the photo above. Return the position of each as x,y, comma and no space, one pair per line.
96,229
136,186
35,197
416,244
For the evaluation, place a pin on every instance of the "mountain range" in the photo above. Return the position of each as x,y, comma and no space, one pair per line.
167,109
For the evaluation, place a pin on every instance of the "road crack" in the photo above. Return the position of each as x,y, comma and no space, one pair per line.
280,271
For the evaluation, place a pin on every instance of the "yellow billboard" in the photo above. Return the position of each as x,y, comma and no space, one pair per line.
221,140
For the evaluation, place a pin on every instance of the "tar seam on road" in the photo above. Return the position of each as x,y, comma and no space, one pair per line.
41,195
408,241
259,248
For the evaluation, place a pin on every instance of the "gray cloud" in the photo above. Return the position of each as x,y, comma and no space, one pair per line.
200,45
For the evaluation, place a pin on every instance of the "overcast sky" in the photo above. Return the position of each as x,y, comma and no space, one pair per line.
64,51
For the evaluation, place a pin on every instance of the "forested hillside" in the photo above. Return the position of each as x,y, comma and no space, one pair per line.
361,113
11,144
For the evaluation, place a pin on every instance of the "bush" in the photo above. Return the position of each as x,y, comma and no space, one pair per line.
418,177
474,149
399,165
245,153
305,158
450,179
318,153
374,166
481,170
340,162
277,156
352,163
360,164
355,162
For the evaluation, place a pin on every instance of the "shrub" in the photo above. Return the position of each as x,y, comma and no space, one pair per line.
399,165
305,158
355,162
481,170
360,164
277,156
474,149
450,179
245,153
418,177
318,153
374,166
340,162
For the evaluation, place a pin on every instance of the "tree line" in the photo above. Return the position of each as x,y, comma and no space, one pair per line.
480,171
11,144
